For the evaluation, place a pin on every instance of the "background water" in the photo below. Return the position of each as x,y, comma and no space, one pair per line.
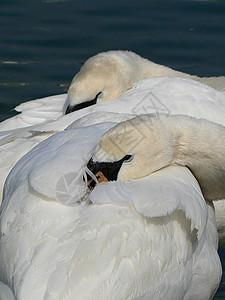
44,43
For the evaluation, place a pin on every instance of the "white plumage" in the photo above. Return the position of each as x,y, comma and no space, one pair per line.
161,95
110,74
144,239
53,246
154,95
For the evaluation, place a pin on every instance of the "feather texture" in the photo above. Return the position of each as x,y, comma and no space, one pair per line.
119,247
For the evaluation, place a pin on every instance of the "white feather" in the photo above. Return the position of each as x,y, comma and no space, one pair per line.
55,246
116,248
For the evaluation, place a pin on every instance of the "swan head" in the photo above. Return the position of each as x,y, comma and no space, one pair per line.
103,77
132,149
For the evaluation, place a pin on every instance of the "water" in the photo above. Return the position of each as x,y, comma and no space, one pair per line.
44,43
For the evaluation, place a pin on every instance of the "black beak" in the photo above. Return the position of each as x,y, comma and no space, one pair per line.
109,169
82,105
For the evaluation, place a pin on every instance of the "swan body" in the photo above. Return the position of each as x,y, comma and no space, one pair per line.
54,244
164,140
109,75
39,119
151,238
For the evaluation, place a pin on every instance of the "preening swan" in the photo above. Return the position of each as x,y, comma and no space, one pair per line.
49,249
41,118
151,238
109,75
147,143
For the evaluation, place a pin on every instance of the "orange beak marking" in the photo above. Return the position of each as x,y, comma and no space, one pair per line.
100,177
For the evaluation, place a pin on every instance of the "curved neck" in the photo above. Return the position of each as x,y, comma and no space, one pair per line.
151,69
201,147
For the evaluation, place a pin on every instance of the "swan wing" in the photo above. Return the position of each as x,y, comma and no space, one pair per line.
34,112
169,95
59,166
159,194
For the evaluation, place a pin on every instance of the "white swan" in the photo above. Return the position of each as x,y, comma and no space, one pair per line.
109,75
147,143
152,238
164,95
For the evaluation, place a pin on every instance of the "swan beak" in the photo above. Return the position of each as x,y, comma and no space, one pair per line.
80,106
100,177
105,171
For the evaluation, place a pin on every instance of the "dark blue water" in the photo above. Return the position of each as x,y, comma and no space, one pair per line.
44,43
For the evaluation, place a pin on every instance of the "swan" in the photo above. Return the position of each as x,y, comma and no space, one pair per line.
147,143
110,74
147,238
39,119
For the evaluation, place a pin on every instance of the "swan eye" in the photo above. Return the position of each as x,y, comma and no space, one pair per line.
128,158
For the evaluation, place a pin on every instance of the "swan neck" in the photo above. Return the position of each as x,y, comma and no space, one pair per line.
151,69
201,147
